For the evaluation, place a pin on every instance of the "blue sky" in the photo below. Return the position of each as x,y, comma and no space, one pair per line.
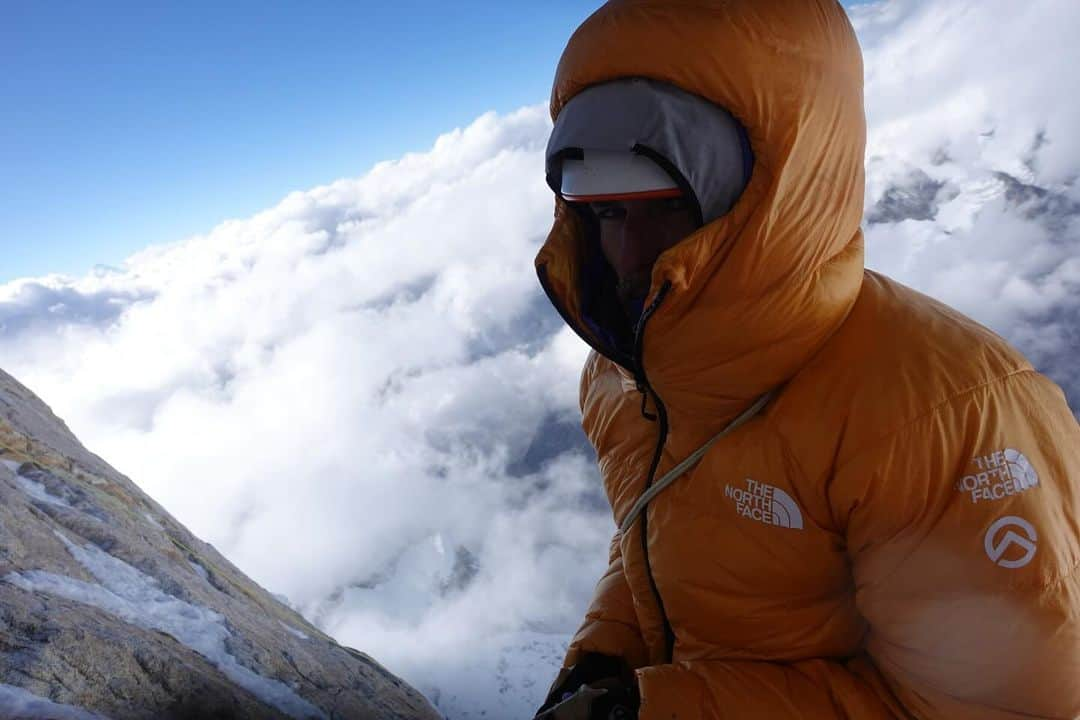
126,124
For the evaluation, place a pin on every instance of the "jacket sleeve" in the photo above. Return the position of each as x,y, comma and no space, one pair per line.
609,640
608,643
611,625
963,529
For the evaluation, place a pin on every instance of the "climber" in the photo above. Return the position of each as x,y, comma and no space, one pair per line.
790,443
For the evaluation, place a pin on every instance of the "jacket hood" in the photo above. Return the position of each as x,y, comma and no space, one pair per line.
752,295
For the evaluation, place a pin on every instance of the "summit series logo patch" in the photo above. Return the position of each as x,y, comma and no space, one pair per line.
766,504
1019,534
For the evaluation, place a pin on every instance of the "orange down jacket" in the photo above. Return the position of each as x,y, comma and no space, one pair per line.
896,534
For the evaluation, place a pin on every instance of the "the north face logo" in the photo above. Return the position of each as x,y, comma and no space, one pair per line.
766,504
998,475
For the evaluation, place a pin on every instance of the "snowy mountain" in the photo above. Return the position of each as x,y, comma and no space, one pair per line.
362,398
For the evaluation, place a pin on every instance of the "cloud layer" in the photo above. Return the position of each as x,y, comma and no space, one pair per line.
362,398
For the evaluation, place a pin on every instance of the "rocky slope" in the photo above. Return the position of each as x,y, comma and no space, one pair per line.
110,608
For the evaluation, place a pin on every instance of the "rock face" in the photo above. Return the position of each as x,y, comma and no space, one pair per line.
109,608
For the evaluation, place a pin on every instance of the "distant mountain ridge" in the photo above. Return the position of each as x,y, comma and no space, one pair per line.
109,608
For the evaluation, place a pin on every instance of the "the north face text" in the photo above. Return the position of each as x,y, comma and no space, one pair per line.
766,504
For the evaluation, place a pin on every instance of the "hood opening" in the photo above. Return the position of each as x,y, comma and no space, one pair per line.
601,311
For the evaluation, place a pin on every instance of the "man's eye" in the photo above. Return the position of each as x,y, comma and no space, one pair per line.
609,213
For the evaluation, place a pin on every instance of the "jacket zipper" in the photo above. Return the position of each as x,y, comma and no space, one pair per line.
661,415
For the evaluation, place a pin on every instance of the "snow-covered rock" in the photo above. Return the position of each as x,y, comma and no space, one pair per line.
109,608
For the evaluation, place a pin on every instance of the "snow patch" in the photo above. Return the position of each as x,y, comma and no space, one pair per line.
153,521
293,631
33,488
138,599
37,491
200,570
16,702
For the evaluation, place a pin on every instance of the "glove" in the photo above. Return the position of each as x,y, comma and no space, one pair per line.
603,700
619,701
574,706
598,687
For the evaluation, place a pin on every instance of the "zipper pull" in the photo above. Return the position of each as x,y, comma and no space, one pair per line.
644,403
639,368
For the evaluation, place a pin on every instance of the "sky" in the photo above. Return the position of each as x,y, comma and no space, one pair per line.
126,124
358,393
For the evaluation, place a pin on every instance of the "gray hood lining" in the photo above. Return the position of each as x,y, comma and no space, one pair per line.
703,143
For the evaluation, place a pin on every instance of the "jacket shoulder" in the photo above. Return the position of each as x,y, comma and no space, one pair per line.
898,356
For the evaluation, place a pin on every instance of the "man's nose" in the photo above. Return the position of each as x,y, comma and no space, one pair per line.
637,242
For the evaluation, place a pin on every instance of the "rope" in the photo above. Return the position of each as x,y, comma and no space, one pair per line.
674,473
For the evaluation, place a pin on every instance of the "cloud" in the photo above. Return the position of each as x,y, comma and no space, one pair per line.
362,398
53,302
